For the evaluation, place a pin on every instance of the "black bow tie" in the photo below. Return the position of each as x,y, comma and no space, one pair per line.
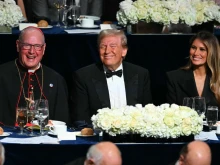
110,73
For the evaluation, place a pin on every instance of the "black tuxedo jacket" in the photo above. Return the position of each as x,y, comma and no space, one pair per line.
90,91
181,83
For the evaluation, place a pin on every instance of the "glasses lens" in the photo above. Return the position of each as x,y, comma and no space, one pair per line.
28,46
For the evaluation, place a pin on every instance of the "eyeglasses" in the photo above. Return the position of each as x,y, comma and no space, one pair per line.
27,46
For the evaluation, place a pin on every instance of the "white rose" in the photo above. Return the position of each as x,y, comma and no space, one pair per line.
125,5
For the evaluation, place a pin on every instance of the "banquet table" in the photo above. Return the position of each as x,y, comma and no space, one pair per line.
66,151
66,53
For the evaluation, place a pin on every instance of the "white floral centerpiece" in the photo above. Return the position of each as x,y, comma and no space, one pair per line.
10,13
166,12
164,121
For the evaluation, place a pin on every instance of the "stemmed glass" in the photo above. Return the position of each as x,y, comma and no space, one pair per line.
31,113
43,110
75,12
188,102
200,105
21,118
211,116
68,5
59,5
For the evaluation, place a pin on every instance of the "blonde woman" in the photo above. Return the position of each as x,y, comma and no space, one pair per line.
201,76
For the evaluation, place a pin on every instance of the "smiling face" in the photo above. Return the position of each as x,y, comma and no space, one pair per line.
30,58
111,51
198,53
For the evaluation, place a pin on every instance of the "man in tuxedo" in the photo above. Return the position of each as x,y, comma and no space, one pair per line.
44,9
112,83
195,153
91,7
101,153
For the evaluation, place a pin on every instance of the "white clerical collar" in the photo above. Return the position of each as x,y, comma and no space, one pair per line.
32,70
120,67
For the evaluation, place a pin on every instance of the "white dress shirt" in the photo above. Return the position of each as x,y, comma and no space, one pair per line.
116,88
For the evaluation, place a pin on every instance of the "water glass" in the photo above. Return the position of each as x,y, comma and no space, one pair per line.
21,118
43,114
199,105
188,102
211,116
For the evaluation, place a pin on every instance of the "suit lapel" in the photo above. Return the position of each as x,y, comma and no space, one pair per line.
131,84
189,85
207,93
101,87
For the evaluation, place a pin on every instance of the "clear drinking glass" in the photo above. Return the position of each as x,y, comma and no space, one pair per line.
199,105
43,110
188,102
58,5
68,5
211,116
21,118
75,12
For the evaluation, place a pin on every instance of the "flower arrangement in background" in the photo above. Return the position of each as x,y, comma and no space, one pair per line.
166,12
164,121
10,13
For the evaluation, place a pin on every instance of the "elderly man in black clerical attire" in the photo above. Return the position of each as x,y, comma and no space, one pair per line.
26,78
112,83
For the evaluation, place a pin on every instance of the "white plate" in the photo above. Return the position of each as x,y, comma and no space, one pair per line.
90,27
5,134
48,27
79,134
95,18
51,133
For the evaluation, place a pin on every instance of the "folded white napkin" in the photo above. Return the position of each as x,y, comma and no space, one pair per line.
206,136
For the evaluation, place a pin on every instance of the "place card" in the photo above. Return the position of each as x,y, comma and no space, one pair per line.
108,26
66,136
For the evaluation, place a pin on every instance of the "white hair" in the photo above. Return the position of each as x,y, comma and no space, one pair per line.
2,154
95,154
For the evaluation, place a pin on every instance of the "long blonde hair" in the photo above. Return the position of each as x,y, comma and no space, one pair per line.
213,60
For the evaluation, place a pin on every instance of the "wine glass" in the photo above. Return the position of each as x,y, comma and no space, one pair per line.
199,105
211,116
68,5
188,102
43,114
21,118
58,5
75,12
31,113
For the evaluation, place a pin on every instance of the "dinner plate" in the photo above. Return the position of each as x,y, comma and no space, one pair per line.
5,134
51,133
48,27
89,27
79,134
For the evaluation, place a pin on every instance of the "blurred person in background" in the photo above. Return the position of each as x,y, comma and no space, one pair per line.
195,153
20,3
45,9
91,7
103,153
2,154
